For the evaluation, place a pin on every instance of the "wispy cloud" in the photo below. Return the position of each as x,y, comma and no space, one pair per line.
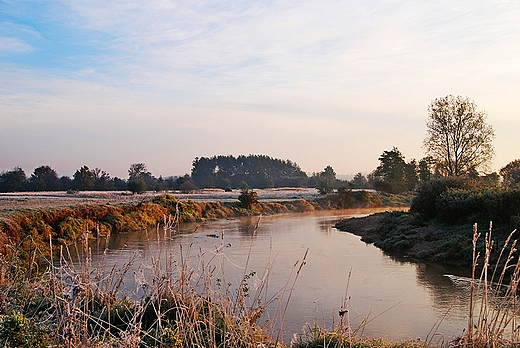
277,70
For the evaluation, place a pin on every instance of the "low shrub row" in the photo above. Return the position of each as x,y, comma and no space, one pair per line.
452,202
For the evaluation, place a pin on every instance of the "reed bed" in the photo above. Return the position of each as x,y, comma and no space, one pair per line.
494,308
181,299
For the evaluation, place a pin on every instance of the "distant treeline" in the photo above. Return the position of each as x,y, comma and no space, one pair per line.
44,178
224,172
393,175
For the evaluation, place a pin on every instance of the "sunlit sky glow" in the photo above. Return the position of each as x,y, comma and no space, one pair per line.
107,83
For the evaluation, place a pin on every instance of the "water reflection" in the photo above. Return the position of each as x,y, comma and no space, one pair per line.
247,226
401,300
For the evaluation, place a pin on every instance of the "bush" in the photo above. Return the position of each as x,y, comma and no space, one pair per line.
424,202
248,198
17,331
484,205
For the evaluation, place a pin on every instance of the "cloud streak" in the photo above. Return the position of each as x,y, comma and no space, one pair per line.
210,77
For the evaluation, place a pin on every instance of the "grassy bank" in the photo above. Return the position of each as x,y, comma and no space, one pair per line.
25,230
439,225
402,233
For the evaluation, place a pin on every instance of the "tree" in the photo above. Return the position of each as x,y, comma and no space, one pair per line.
425,171
137,186
458,138
12,180
188,185
185,184
136,171
102,181
84,179
511,174
327,180
66,183
411,178
44,178
359,181
120,184
390,175
137,176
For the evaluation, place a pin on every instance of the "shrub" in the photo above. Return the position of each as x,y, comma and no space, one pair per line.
424,202
248,198
487,204
17,331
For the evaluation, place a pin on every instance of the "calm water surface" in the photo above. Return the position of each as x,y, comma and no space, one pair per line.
402,300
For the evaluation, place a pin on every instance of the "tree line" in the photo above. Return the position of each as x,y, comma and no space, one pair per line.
458,144
45,178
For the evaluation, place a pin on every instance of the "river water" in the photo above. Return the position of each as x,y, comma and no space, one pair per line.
400,299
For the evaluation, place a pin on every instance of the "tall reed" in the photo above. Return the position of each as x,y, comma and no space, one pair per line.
493,309
181,299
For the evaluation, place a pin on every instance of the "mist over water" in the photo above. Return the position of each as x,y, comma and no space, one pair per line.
399,299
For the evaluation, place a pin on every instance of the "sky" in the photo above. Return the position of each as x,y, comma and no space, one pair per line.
108,83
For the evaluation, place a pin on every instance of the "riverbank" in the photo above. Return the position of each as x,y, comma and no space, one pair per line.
27,222
405,234
44,302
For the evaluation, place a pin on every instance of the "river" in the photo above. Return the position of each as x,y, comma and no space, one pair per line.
401,300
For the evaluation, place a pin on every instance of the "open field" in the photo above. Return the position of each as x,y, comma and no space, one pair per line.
26,200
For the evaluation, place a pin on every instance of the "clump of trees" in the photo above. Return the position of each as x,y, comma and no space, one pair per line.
44,178
13,180
394,175
458,144
85,179
258,171
511,174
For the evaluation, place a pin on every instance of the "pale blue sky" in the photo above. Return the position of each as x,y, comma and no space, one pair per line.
108,83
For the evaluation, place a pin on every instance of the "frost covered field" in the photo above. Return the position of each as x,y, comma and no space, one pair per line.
21,200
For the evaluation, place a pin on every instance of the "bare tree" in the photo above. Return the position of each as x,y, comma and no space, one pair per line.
458,138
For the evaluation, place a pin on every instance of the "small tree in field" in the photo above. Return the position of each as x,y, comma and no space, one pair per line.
136,174
248,198
458,137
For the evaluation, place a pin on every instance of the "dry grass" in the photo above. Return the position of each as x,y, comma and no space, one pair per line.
494,308
180,300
